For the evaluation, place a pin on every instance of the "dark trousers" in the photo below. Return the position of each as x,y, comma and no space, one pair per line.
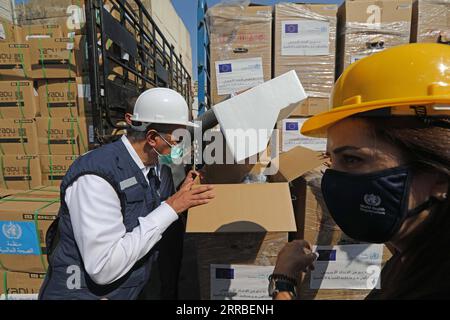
163,283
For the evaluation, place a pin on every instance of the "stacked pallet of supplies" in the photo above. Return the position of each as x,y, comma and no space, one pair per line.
25,217
45,111
305,37
367,27
305,41
241,48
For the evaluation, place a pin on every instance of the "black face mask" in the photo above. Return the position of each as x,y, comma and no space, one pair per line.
370,207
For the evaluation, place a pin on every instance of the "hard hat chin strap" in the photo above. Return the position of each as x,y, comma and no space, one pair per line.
142,127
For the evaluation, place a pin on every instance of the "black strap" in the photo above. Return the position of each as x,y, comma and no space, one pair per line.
424,206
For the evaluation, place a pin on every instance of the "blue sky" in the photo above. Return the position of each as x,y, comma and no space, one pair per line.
187,9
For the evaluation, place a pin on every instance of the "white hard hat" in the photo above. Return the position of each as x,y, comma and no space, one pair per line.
163,106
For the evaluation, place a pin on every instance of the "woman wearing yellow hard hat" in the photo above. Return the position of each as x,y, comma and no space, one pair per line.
389,144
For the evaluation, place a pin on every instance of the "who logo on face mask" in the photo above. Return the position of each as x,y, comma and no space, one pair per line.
372,204
372,200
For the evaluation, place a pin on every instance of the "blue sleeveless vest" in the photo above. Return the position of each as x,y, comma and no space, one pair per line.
66,277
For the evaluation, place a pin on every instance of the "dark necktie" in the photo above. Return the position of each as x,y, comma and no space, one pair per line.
153,181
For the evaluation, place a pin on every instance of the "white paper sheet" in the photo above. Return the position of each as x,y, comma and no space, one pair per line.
305,38
240,282
347,267
237,75
291,137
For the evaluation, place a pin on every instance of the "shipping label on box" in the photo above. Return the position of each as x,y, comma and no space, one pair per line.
24,224
356,267
20,172
19,238
240,282
18,99
305,38
237,75
292,137
18,136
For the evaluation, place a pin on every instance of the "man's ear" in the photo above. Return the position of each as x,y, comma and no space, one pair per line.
151,138
128,118
441,187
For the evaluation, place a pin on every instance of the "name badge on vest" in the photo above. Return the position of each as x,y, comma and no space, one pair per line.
125,184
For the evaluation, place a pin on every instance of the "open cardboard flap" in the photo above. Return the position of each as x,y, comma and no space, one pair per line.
256,112
255,207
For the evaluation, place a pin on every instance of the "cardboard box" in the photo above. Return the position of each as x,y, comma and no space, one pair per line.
26,221
20,286
246,224
431,21
312,106
305,37
54,168
253,114
253,207
20,172
64,97
241,48
18,99
367,27
55,58
316,225
203,250
18,136
62,136
15,60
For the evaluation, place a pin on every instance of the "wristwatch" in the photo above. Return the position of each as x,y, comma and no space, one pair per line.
282,283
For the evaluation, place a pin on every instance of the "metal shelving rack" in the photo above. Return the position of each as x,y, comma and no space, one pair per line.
127,54
203,72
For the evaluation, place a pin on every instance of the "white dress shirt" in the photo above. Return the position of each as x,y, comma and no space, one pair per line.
108,251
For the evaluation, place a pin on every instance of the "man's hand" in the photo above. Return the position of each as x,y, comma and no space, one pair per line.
294,258
190,177
189,197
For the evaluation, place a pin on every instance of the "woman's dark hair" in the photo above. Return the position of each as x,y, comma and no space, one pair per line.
423,269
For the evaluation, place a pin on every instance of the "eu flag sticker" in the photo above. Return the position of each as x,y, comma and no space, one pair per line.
291,28
18,238
224,273
292,126
326,255
225,68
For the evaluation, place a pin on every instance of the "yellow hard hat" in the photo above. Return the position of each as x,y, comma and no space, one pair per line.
409,80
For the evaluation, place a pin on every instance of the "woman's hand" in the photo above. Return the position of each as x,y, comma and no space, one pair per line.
294,258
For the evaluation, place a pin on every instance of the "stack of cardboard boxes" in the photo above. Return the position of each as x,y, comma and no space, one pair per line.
44,105
44,112
305,41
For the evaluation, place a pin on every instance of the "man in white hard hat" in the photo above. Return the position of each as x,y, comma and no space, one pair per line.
111,217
